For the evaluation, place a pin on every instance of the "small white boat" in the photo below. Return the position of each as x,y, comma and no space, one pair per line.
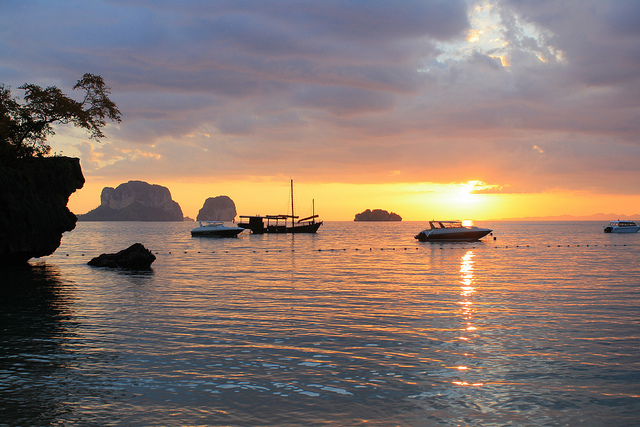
621,227
451,231
215,229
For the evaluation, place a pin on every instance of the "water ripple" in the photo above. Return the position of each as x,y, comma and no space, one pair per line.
359,324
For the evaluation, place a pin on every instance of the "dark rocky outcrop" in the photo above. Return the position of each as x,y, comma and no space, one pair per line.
377,215
135,201
135,257
219,208
33,205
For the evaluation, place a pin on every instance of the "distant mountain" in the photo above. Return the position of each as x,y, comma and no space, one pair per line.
594,217
377,215
135,201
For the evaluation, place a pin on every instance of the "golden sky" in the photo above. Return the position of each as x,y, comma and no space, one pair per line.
479,109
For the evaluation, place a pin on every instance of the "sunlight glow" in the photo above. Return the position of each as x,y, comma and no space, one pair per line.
497,35
421,201
465,383
464,193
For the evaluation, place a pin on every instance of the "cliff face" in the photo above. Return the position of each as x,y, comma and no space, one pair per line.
135,201
33,206
219,208
377,215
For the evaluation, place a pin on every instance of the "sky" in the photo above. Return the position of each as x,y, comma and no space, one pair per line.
433,109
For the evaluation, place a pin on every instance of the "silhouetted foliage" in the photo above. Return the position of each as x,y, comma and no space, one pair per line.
25,126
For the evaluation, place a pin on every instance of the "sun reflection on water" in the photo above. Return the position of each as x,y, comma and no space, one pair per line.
467,289
466,285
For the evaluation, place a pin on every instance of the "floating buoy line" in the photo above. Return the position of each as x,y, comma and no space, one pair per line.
448,246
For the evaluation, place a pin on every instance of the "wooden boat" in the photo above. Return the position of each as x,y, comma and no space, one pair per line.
259,224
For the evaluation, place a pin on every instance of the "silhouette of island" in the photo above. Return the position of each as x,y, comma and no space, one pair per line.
594,217
377,215
135,201
220,208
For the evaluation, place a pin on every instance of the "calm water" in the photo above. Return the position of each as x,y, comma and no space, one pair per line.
359,324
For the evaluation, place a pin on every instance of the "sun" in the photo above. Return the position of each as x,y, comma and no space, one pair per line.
464,195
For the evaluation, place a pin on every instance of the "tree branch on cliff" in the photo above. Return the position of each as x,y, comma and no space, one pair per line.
24,127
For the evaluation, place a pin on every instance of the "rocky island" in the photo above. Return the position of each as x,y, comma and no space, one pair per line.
219,208
377,215
135,201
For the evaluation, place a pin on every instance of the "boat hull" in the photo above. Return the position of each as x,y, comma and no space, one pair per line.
282,229
231,232
621,229
305,228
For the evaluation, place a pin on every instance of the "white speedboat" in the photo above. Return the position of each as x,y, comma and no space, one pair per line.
215,229
451,231
621,227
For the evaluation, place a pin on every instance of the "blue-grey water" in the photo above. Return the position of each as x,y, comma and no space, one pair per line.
359,324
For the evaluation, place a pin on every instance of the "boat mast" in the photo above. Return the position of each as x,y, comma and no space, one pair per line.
292,214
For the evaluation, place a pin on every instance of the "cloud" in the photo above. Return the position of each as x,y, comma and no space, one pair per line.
530,95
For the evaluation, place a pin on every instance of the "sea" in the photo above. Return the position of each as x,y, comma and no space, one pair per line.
360,324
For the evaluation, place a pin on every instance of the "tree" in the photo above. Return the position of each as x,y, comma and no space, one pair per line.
24,127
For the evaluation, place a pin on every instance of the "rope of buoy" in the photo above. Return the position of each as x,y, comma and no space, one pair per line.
441,247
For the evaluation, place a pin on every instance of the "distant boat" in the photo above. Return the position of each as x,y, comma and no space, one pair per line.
621,227
451,231
259,224
215,229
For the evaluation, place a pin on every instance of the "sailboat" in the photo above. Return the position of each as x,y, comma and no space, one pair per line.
259,224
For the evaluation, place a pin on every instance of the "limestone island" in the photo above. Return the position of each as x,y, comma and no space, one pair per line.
135,201
219,208
377,215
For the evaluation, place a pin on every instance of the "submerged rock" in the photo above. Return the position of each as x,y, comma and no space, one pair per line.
33,206
135,257
135,201
219,208
377,215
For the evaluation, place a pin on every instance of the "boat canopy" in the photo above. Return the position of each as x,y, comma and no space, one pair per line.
210,223
445,224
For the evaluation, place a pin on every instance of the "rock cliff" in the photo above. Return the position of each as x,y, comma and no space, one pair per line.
219,208
135,201
33,206
377,215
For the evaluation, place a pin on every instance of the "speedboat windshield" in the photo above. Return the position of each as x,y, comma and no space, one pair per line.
623,223
210,223
445,224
